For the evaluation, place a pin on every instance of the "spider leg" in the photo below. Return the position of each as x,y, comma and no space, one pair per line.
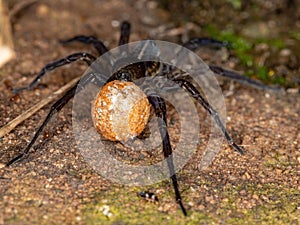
195,43
160,111
196,95
56,107
88,58
98,45
242,79
125,33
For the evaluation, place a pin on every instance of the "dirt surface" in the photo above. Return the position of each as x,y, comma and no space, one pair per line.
55,185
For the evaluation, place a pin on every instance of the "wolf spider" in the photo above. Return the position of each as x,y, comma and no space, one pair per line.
157,102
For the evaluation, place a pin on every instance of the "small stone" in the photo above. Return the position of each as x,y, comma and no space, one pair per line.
246,176
210,199
292,90
255,196
243,193
201,207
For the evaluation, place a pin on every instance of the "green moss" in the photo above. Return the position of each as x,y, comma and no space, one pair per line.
243,50
241,46
274,204
260,204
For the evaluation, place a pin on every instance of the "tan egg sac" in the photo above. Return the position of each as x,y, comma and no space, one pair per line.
120,111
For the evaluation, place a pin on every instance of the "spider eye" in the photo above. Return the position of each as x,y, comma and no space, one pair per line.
123,76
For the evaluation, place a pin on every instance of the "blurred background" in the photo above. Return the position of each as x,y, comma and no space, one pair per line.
265,34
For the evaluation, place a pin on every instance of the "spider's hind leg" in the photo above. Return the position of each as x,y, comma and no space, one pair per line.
195,43
197,96
242,79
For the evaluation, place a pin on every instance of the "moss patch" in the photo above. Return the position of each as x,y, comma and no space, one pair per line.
245,204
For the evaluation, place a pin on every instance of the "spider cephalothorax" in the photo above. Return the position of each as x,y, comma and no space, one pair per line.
121,109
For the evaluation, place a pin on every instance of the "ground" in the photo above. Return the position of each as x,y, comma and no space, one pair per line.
55,185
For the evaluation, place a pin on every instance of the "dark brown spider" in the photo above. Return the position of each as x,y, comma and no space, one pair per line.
130,73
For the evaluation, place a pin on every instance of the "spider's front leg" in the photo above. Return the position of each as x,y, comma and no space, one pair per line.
79,56
99,45
197,96
125,33
56,107
160,110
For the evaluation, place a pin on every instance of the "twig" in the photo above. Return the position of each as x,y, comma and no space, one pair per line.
19,7
19,119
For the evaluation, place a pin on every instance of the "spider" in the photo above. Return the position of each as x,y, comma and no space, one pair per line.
129,74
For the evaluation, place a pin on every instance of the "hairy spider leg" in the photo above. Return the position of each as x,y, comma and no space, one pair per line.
195,43
160,110
197,96
56,107
79,56
98,45
242,79
125,33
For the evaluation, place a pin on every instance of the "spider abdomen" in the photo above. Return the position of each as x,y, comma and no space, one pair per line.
120,111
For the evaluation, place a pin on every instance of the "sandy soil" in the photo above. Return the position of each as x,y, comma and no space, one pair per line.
55,185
